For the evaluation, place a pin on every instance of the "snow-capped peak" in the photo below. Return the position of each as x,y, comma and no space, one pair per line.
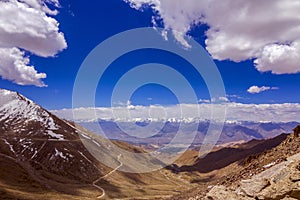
6,96
15,108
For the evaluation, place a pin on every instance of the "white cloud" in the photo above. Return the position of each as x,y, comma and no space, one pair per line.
224,99
235,112
27,26
280,59
204,101
178,17
15,66
256,89
218,100
267,31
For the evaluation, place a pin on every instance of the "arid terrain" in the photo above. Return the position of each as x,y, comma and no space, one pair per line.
232,176
43,157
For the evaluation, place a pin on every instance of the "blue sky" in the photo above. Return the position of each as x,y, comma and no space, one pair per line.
85,25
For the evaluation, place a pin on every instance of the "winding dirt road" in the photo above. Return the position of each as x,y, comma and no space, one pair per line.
102,177
105,176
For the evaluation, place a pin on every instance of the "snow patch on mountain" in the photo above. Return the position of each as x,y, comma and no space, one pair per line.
55,136
10,146
60,154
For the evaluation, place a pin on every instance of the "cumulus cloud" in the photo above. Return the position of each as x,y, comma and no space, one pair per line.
267,31
280,59
21,72
235,112
177,17
27,27
256,89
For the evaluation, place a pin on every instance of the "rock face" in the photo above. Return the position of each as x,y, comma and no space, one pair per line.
296,131
281,181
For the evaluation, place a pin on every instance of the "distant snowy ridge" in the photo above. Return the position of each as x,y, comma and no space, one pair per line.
236,112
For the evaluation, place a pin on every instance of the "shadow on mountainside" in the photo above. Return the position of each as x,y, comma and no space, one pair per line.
226,156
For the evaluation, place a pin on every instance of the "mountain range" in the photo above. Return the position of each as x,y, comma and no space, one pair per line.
232,131
135,130
45,157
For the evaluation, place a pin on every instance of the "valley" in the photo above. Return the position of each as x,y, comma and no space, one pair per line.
45,157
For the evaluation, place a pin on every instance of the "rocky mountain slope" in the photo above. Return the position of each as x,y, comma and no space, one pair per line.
272,174
279,181
229,154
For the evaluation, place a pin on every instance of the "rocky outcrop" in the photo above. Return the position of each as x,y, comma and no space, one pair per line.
296,131
281,181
